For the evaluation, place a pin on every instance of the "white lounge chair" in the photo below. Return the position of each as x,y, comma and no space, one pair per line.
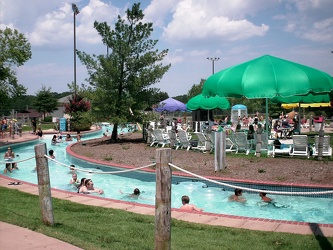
184,141
159,139
300,146
280,150
327,149
202,142
241,142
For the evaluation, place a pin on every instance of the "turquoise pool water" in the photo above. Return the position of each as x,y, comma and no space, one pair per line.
211,198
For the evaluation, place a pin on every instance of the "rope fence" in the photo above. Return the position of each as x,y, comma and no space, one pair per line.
182,170
97,172
11,162
250,189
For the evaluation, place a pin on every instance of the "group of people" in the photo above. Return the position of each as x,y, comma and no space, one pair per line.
58,138
9,158
237,197
85,186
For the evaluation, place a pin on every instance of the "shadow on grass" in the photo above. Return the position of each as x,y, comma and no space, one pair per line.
322,240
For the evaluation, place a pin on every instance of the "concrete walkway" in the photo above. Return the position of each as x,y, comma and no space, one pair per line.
14,237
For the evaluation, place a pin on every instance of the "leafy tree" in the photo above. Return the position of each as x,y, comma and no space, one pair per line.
76,108
15,51
181,98
121,79
45,102
196,89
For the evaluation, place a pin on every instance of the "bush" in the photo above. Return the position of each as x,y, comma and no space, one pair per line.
80,122
48,119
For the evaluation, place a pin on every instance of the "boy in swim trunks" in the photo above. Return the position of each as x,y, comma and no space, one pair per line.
187,206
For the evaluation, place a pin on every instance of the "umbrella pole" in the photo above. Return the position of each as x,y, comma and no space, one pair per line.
266,120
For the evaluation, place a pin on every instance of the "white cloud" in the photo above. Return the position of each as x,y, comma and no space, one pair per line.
158,10
321,31
196,20
56,27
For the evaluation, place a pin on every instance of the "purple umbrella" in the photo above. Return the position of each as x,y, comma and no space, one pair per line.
170,105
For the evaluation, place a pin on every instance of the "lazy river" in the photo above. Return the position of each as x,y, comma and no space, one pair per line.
208,196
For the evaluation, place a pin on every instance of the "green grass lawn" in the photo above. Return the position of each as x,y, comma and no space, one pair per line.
44,126
90,227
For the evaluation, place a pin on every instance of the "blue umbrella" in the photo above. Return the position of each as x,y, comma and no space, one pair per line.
170,105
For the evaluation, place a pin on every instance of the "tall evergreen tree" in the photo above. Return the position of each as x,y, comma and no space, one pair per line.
123,78
45,102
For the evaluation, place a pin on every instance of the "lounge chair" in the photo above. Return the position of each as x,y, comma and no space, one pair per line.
183,139
159,139
327,149
300,146
280,150
241,142
202,142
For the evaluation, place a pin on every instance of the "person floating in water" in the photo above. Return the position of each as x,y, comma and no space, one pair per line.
89,188
237,196
74,181
136,193
268,200
187,206
264,197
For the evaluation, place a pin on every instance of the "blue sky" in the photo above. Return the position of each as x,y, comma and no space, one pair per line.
233,30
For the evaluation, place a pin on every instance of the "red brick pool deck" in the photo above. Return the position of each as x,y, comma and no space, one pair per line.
14,237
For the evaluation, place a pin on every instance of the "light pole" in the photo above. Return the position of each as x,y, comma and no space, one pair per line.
75,12
213,59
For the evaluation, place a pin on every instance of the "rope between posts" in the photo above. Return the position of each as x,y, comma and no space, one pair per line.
97,172
251,189
1,162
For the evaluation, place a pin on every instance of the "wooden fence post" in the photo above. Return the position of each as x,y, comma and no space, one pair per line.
163,200
44,187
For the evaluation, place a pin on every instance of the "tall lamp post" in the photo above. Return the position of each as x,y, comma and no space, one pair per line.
213,59
75,12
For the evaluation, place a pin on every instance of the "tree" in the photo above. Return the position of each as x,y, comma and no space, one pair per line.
122,79
15,51
76,108
45,102
196,89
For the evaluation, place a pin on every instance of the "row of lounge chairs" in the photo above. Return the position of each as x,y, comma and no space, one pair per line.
301,147
238,142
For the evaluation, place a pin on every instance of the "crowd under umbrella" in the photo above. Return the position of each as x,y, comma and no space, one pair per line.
268,77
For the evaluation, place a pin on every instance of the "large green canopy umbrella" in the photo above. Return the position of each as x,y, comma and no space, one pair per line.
267,77
310,98
207,103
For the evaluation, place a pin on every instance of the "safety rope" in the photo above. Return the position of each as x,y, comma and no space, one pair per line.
11,162
97,172
250,189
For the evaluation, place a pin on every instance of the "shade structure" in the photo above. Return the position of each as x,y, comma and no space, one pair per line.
170,105
267,77
207,103
305,105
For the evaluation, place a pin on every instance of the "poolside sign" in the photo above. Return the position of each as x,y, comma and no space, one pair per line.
62,123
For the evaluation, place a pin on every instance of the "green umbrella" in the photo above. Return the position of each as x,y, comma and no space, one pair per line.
310,98
207,103
267,77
